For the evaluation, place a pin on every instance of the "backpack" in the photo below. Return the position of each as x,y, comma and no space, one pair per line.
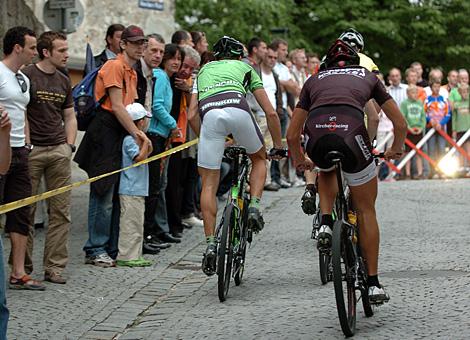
84,100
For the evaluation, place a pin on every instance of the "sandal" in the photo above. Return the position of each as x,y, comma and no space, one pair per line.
25,283
140,262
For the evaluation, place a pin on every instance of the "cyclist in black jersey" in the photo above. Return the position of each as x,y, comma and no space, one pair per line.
371,109
330,110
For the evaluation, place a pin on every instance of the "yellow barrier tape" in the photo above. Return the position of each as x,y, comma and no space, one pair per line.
33,199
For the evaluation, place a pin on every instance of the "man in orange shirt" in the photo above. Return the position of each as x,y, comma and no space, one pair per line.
100,150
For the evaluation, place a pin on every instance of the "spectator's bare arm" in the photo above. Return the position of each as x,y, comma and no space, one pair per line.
5,150
272,118
70,124
115,95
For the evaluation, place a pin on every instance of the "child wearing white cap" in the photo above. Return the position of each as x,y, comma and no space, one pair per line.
133,188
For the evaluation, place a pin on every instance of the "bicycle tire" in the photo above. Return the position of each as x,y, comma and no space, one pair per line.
224,254
243,243
341,259
324,262
364,288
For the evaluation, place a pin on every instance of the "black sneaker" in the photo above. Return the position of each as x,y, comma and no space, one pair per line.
309,205
255,220
209,259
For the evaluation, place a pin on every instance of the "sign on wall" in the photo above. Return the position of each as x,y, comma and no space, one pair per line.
156,5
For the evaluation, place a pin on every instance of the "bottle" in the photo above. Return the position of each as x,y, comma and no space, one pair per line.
82,100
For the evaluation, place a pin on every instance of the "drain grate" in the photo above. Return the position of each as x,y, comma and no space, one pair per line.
423,274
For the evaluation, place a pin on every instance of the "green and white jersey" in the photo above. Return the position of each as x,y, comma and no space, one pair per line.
226,76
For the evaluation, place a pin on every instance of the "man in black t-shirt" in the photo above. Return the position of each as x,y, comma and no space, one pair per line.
330,109
53,129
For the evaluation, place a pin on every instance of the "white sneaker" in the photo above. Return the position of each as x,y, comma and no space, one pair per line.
284,184
298,182
193,221
377,295
101,260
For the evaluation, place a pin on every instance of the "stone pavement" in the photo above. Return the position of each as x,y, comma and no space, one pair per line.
424,265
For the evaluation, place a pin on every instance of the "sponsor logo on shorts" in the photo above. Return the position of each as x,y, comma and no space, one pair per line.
220,103
362,144
355,72
333,125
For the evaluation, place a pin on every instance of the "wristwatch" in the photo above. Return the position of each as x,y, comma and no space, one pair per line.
73,147
29,146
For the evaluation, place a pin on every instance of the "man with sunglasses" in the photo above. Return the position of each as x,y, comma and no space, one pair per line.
100,149
19,48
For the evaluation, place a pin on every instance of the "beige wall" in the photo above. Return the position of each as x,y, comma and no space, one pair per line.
99,14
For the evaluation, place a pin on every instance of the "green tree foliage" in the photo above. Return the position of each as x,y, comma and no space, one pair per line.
397,32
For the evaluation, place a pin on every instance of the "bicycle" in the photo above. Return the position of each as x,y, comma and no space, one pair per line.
233,233
349,271
324,254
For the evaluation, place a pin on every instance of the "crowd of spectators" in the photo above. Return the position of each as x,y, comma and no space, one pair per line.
433,103
145,83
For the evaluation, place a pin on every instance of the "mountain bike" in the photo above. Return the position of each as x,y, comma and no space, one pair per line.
349,271
233,234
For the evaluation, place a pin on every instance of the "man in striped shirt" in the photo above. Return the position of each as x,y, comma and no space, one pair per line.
396,89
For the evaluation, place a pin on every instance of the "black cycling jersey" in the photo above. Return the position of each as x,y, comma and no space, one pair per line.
352,85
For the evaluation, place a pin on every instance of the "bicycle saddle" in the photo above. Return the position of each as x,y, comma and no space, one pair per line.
234,151
333,156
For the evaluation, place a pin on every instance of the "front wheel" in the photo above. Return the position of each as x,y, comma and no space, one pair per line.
225,253
344,278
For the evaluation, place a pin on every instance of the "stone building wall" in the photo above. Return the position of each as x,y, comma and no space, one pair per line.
17,13
99,14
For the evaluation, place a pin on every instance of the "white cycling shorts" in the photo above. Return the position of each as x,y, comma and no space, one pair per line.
217,124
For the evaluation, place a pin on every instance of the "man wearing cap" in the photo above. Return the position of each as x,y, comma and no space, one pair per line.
100,150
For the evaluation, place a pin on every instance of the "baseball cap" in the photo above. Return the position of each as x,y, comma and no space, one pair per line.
137,111
133,33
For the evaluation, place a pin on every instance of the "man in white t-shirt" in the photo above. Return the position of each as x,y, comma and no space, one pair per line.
19,48
289,86
273,90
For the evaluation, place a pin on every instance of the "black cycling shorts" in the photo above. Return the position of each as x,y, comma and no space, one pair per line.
338,128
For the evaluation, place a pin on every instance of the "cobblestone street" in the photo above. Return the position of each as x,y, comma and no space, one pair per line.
424,265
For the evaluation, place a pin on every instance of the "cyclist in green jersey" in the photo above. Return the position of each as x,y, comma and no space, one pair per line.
218,108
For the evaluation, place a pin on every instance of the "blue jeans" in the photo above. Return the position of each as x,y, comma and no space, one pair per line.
161,216
275,168
103,223
4,313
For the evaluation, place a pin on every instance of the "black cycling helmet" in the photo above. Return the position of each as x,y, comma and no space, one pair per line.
340,54
227,48
353,38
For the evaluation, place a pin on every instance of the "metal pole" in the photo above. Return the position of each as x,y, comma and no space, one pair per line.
460,142
410,154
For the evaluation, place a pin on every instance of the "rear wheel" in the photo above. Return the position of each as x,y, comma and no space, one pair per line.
325,262
364,289
240,269
344,279
225,254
